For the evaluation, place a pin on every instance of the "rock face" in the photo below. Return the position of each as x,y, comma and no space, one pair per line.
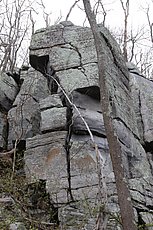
8,91
24,117
59,149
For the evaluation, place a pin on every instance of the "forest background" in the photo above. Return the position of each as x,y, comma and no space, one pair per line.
131,22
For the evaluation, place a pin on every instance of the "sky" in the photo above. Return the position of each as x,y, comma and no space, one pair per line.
137,23
114,19
114,12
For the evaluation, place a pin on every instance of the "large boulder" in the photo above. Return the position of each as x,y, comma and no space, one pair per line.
24,118
58,94
8,91
69,51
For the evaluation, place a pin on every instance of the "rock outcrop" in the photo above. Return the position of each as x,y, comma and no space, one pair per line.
59,149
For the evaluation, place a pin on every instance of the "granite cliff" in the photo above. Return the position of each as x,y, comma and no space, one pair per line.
58,152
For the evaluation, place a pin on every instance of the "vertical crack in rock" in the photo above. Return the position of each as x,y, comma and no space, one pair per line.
139,98
67,147
50,75
74,64
42,65
75,48
82,69
116,61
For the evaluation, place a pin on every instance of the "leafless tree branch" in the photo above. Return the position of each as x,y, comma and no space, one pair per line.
70,10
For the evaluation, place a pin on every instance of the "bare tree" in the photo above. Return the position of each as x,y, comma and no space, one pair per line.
125,8
135,39
150,24
144,61
46,15
70,10
124,197
142,48
99,8
15,27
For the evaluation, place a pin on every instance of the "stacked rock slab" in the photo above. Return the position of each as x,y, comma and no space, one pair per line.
59,149
24,116
8,93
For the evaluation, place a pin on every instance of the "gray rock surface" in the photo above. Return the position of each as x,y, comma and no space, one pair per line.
24,117
72,55
50,102
53,114
59,149
17,226
41,151
90,110
143,105
53,119
3,130
8,91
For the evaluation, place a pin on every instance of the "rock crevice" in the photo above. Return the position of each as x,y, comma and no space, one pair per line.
59,149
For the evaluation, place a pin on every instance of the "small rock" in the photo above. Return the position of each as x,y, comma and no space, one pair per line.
66,23
17,226
50,102
53,119
6,200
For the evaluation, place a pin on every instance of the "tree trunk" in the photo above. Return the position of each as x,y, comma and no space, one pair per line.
124,198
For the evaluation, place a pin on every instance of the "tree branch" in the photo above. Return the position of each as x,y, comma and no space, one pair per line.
124,198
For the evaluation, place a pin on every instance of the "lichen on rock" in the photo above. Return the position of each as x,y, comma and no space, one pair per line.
59,150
